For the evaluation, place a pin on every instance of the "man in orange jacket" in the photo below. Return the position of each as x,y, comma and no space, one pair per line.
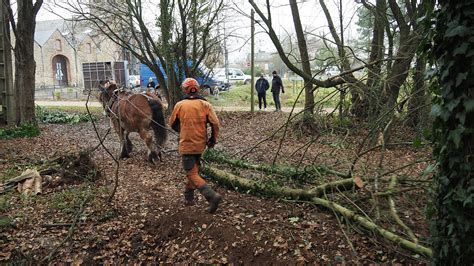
190,117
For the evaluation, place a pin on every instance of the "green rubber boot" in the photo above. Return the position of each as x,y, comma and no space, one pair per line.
212,197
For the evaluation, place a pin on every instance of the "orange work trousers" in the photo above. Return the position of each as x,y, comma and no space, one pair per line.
191,166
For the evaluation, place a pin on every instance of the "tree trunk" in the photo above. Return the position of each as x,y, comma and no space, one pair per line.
25,66
166,21
399,73
452,227
418,110
361,100
308,88
377,46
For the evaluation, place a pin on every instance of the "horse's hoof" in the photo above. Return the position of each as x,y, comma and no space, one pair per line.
153,157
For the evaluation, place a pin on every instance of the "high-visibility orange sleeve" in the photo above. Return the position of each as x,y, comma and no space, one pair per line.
215,124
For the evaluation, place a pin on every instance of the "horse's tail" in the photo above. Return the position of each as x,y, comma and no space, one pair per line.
158,124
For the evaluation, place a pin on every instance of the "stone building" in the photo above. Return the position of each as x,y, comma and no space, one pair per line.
64,49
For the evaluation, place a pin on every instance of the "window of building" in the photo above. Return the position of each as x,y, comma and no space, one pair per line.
58,45
89,48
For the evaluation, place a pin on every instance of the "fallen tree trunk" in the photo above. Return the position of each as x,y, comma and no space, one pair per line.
393,211
364,222
242,184
313,170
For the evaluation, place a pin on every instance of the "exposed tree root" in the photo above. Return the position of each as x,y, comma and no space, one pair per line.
312,195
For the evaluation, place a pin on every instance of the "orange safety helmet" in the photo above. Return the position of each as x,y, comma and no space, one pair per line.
190,85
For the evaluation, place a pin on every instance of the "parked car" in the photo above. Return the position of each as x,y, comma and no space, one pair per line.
332,71
133,81
205,77
233,75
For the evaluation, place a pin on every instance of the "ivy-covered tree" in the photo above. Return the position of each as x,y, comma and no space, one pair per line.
452,228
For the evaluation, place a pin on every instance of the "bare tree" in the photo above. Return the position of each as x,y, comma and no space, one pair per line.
23,29
167,52
378,94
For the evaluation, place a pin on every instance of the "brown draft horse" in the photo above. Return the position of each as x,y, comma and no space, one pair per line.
134,112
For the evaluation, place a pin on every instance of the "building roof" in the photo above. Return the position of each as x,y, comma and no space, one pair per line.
73,32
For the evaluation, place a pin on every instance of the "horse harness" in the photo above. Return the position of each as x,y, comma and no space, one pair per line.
115,99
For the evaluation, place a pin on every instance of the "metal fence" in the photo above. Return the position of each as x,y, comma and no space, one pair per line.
58,93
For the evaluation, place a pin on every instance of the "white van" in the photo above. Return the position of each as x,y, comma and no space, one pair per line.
233,75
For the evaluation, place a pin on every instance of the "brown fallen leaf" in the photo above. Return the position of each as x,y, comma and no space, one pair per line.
358,181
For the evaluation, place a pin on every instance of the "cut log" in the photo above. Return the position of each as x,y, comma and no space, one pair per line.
29,182
27,186
38,185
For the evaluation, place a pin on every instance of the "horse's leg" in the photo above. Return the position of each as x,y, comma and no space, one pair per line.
146,136
129,142
115,124
123,143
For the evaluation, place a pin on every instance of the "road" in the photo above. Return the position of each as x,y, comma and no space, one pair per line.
217,108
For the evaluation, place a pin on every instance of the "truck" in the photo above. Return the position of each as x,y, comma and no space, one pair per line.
205,78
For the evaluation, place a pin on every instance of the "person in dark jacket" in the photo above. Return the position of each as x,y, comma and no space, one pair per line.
151,84
277,85
261,87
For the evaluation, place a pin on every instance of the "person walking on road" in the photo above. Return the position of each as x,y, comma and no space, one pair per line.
190,117
261,87
277,85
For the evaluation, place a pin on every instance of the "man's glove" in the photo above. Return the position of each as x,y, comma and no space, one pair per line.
282,90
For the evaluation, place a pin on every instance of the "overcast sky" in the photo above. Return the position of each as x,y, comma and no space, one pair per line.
311,15
238,21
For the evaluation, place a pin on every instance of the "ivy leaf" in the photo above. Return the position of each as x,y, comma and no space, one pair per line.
462,117
460,78
455,136
429,169
460,30
469,105
453,104
461,49
468,200
436,110
429,74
